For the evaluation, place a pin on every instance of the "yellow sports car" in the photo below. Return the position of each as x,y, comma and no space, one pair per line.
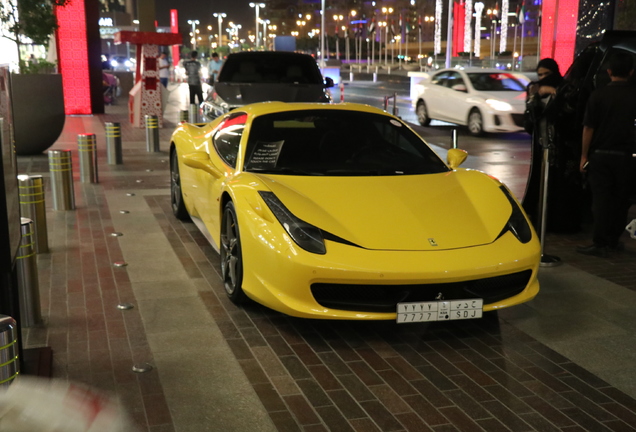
341,211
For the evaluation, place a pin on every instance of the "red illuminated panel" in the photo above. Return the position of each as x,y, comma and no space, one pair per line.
73,57
174,28
558,31
458,27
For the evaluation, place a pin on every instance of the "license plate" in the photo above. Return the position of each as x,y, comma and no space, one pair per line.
445,310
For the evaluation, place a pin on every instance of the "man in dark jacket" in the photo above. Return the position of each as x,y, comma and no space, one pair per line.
609,141
193,72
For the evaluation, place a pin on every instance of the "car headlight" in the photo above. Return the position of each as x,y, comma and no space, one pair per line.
305,235
517,224
114,63
498,105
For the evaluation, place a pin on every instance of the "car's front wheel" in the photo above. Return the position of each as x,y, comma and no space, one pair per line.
176,196
422,113
475,122
231,255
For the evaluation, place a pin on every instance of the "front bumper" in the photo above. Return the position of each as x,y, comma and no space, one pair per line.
283,277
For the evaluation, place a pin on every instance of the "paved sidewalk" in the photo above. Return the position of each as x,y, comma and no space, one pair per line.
218,367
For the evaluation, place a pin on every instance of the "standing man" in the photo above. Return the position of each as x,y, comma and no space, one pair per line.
193,71
214,67
606,156
164,69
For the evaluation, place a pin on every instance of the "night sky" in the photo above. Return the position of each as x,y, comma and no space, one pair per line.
237,11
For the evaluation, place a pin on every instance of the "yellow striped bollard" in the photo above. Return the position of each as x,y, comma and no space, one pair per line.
86,144
32,206
61,170
9,364
113,143
152,133
27,274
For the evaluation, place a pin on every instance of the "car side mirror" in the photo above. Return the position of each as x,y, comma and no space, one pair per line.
201,160
460,87
328,82
456,157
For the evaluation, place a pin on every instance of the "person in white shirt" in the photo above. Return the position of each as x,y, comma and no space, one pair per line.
214,67
164,69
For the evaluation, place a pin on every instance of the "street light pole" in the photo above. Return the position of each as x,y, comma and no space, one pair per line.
322,35
257,6
194,24
386,12
220,16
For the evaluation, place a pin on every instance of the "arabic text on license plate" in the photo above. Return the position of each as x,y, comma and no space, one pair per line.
439,310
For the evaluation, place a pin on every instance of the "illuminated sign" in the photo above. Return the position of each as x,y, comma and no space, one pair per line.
106,22
73,57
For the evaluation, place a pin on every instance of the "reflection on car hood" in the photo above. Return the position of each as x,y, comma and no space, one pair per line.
243,94
413,212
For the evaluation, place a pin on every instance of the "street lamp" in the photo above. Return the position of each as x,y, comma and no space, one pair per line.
386,12
220,16
265,22
194,24
337,19
257,6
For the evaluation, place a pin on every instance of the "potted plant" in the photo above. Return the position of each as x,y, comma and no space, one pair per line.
36,92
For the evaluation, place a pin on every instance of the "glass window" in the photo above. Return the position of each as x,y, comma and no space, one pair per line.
228,137
602,78
334,142
440,78
454,78
495,81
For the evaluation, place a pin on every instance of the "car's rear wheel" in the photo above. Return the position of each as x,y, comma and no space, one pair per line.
231,255
176,197
422,113
475,122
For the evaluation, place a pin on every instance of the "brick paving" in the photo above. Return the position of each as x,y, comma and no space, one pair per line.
309,375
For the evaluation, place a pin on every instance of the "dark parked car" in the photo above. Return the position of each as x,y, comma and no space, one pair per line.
589,69
261,76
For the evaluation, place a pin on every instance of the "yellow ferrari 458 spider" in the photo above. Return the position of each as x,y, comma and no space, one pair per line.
343,212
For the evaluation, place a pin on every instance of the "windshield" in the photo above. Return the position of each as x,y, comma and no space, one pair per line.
337,143
270,67
494,81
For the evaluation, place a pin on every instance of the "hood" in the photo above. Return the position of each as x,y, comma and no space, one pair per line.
242,94
514,98
451,210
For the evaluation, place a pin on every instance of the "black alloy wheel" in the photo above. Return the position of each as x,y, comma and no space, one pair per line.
475,122
422,113
231,255
176,198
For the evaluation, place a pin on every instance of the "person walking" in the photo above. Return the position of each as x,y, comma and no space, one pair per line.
550,118
609,140
214,67
164,69
193,72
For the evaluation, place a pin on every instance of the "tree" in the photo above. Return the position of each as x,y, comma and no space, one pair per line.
33,19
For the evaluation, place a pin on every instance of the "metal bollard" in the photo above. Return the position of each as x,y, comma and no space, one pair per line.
9,364
86,144
113,143
454,138
152,133
193,113
375,75
28,283
61,169
183,116
32,206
